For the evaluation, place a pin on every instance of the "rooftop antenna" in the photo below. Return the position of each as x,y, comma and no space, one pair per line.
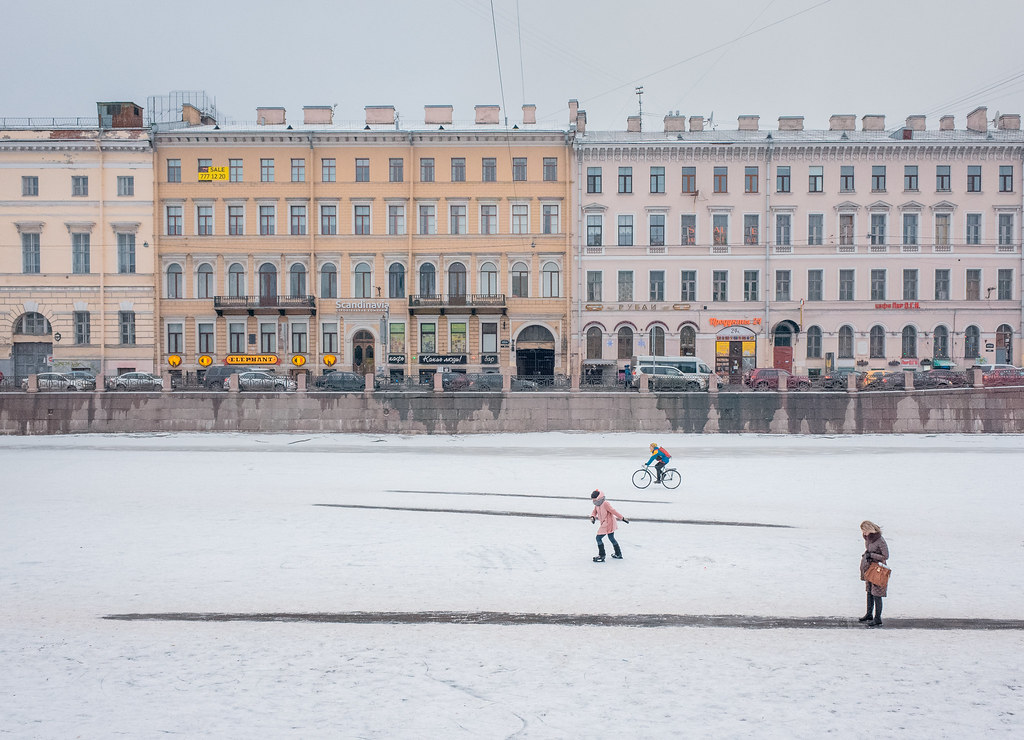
640,103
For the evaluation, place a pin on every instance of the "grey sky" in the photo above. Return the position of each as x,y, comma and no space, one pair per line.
730,57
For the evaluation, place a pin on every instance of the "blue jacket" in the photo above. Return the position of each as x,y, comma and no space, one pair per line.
659,454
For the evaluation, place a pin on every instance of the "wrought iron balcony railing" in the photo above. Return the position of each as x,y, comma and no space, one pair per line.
264,303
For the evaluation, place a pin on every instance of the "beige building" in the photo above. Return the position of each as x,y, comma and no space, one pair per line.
76,266
373,247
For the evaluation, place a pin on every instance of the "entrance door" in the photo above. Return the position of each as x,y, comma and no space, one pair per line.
535,362
268,285
783,358
362,352
29,358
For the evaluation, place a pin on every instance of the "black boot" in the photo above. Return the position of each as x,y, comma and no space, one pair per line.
600,553
871,604
618,553
877,621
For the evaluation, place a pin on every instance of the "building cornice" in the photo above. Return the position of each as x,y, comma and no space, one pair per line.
747,152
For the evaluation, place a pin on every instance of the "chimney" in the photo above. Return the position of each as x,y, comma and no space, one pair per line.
842,122
977,119
529,114
574,106
872,123
916,123
487,113
190,114
269,116
1008,122
696,123
946,123
437,114
318,114
791,123
675,122
581,122
633,124
380,115
748,123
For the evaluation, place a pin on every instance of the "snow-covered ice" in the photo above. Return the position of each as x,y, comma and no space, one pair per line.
92,526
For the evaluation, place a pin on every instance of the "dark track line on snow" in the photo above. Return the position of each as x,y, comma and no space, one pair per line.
512,619
527,495
538,515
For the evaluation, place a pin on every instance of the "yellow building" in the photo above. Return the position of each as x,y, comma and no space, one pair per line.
368,247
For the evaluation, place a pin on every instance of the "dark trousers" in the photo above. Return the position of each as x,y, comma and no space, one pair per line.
658,466
600,544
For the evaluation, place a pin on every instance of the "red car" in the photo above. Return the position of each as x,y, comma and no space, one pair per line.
1003,376
769,378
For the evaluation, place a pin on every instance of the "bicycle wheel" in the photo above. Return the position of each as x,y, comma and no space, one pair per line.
642,478
671,478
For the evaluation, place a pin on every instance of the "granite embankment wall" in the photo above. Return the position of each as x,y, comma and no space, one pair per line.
969,410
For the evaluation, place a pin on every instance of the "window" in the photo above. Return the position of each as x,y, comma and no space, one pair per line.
125,185
488,279
910,177
204,281
974,178
878,285
83,331
328,169
720,229
126,254
396,220
688,285
783,229
550,169
751,285
550,217
625,179
624,340
845,343
942,229
297,281
973,225
689,180
1006,229
1004,285
782,285
688,226
657,179
782,180
520,280
267,221
489,219
427,169
942,181
396,338
457,281
815,229
266,170
30,254
1006,178
972,285
593,230
79,185
268,338
750,179
593,179
32,323
236,220
428,219
362,286
721,179
396,280
458,343
876,342
846,285
550,280
878,228
751,229
910,285
396,172
173,170
236,338
942,285
657,227
428,279
175,339
846,180
29,185
298,170
519,169
203,165
174,220
657,340
520,218
940,343
362,170
846,229
174,287
361,220
205,333
815,285
972,343
815,179
878,178
720,285
80,253
909,341
328,220
814,342
236,280
458,169
624,285
594,288
126,326
328,281
457,219
204,220
910,221
656,283
595,343
688,342
489,169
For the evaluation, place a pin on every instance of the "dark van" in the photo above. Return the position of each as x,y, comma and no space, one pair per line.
214,377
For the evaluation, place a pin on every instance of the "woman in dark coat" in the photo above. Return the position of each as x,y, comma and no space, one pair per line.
876,551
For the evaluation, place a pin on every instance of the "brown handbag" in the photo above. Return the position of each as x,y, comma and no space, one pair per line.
878,575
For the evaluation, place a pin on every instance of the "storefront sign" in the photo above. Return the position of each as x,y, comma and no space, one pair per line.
442,359
174,360
206,174
252,360
396,359
733,333
361,306
488,359
298,360
504,342
329,360
735,322
205,360
901,306
638,307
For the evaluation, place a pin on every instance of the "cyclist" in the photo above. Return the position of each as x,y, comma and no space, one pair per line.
661,455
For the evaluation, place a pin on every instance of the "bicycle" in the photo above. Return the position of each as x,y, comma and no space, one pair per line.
670,477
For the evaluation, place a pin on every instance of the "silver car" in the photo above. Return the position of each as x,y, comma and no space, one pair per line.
84,381
136,382
52,382
255,380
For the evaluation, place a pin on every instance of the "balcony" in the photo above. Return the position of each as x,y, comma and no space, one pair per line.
483,303
254,305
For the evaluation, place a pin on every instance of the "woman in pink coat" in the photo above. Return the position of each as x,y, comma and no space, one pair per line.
604,511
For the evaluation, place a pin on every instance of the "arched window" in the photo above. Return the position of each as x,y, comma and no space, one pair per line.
174,289
32,324
520,280
657,339
297,281
814,342
972,343
909,341
625,337
428,282
268,280
236,281
688,342
1004,344
595,343
328,281
488,279
396,280
363,277
846,342
876,343
940,343
204,281
457,281
550,280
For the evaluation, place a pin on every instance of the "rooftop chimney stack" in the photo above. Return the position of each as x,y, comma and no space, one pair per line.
380,115
488,114
696,123
1008,122
872,123
633,124
529,114
791,123
675,122
977,119
581,122
314,115
946,123
574,106
916,123
437,115
748,123
271,116
842,122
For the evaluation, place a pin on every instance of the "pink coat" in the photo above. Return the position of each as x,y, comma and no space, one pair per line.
607,516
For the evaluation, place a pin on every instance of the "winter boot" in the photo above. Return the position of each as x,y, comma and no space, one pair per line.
617,555
871,604
600,553
877,621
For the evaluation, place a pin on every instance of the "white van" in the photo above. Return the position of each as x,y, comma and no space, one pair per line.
694,372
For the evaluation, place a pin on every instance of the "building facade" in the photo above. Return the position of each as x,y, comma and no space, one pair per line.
806,250
76,267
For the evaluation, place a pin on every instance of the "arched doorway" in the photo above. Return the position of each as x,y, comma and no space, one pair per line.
268,284
1004,345
782,346
32,345
535,351
362,352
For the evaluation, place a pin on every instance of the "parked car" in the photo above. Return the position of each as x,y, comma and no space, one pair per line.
136,381
941,377
453,381
838,378
494,382
84,381
667,377
342,381
870,380
214,377
989,367
52,382
770,379
257,380
1001,376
